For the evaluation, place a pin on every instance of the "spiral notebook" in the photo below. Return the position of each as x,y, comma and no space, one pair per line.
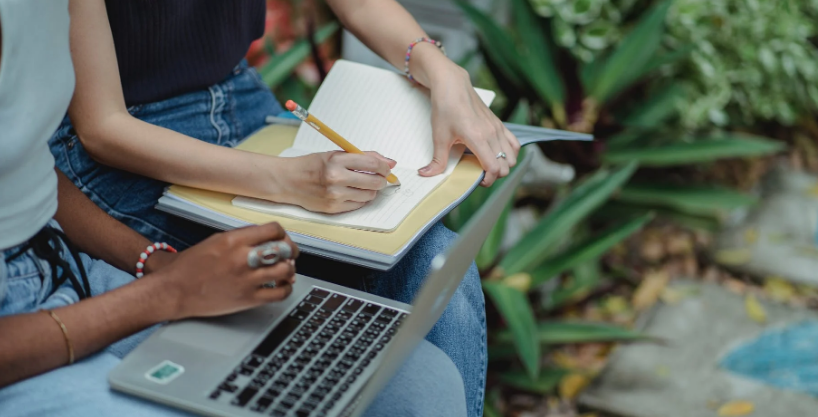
375,110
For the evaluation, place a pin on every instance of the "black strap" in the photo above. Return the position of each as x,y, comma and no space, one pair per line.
47,245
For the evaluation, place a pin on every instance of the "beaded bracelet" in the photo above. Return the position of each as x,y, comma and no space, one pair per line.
409,53
143,257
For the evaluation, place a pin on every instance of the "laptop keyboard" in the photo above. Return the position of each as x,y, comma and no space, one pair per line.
310,359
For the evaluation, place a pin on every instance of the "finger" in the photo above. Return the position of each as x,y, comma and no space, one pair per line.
440,157
389,161
364,181
344,206
507,161
487,156
514,144
366,163
295,250
269,295
255,235
360,196
280,272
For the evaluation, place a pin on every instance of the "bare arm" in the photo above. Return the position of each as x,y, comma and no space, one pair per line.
96,233
33,343
209,279
115,138
324,182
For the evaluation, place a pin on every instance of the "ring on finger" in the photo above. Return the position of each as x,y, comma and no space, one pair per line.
501,155
269,254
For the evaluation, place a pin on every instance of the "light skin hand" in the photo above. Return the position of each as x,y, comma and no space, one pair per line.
332,182
458,114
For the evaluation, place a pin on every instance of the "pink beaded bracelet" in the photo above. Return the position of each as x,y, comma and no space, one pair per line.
143,257
409,53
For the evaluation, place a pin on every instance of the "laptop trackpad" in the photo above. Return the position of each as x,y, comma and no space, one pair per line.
225,335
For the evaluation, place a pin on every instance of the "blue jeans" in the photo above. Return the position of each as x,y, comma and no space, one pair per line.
225,114
428,384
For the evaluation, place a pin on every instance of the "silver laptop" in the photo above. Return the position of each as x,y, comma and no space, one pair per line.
327,350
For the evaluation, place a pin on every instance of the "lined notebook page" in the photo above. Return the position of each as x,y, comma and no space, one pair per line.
376,110
383,214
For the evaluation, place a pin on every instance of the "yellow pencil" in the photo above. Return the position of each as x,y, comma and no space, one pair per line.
330,134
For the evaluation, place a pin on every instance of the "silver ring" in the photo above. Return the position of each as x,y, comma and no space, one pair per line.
501,155
269,254
271,284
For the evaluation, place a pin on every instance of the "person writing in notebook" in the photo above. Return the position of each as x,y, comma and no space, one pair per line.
163,95
66,319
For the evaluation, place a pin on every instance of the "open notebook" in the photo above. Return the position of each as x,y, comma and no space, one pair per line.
376,110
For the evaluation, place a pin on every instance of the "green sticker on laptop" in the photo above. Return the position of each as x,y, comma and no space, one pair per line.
165,372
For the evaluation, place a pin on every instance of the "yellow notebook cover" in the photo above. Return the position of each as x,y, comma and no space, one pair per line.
275,138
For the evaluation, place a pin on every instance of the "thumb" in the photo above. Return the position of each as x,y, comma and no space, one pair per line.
439,160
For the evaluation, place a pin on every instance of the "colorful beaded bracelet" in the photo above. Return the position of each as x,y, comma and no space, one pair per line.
143,257
409,53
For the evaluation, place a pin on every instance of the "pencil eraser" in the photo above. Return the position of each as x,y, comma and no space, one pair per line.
290,105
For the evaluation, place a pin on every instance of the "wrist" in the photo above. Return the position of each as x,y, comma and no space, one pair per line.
158,260
430,67
163,297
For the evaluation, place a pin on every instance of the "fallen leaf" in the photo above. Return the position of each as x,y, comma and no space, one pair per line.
562,360
671,295
779,289
572,384
520,281
751,235
733,257
754,309
616,304
649,290
736,409
652,249
679,244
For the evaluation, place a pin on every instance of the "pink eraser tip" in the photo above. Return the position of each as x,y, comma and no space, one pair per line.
291,106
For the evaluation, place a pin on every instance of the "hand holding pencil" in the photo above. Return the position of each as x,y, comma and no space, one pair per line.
330,134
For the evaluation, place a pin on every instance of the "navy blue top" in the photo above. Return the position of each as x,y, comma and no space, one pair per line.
169,47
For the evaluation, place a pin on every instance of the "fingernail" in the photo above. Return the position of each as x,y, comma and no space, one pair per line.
424,170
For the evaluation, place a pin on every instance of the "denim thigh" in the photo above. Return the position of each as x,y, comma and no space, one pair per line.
224,114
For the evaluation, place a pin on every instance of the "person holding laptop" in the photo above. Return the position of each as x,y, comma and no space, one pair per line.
67,318
163,95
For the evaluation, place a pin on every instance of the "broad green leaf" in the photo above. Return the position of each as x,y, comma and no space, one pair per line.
493,397
496,41
561,333
697,200
491,247
631,59
586,277
281,66
461,214
587,250
548,380
293,88
520,115
518,315
659,107
698,151
534,247
538,64
615,210
625,138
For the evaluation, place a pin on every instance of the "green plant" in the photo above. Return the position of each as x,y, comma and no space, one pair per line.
594,95
751,60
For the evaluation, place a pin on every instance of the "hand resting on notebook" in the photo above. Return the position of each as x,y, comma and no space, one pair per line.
336,181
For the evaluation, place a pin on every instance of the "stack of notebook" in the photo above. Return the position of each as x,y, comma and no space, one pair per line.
375,110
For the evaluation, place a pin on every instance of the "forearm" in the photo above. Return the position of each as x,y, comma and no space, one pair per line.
93,231
388,29
31,344
124,142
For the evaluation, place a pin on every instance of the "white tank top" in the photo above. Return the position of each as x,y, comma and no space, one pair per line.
36,84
